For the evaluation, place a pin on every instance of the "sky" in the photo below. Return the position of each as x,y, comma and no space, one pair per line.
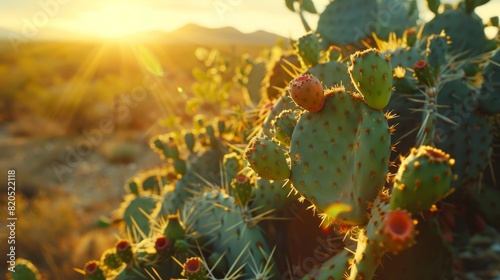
115,18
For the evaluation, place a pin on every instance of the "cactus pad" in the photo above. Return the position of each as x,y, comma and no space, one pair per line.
423,178
371,74
340,156
268,159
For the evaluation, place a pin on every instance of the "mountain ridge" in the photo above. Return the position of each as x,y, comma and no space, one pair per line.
190,33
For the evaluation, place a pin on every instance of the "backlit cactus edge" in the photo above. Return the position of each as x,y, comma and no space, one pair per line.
373,134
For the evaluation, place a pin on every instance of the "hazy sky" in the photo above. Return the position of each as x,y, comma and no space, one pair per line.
121,17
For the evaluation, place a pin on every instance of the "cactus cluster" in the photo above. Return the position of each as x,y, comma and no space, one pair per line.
383,135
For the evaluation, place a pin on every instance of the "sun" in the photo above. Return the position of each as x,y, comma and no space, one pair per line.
113,21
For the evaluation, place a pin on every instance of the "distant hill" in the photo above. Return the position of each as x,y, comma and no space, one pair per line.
188,34
195,34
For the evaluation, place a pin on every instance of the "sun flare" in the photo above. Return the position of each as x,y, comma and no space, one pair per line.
113,21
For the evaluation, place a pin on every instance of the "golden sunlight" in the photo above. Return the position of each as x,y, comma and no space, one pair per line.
114,20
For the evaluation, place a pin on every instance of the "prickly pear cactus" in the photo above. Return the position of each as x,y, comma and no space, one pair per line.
284,124
135,211
285,102
24,270
371,73
423,178
346,22
268,159
229,203
309,50
332,73
463,26
349,140
230,231
489,95
467,125
437,49
405,58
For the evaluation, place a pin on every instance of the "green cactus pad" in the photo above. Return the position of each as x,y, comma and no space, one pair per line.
405,58
189,140
488,200
215,215
283,125
371,74
268,159
433,5
272,196
134,209
395,17
242,188
347,22
309,50
334,268
465,30
255,82
458,103
331,74
174,229
437,48
423,178
489,96
25,270
232,164
280,105
340,156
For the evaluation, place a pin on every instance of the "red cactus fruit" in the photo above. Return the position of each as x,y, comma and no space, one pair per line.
93,271
194,270
91,268
161,244
307,92
400,228
193,265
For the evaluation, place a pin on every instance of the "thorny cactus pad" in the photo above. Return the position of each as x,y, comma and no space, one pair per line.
283,125
307,92
242,188
423,178
371,74
24,270
309,50
268,159
340,156
489,97
437,48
